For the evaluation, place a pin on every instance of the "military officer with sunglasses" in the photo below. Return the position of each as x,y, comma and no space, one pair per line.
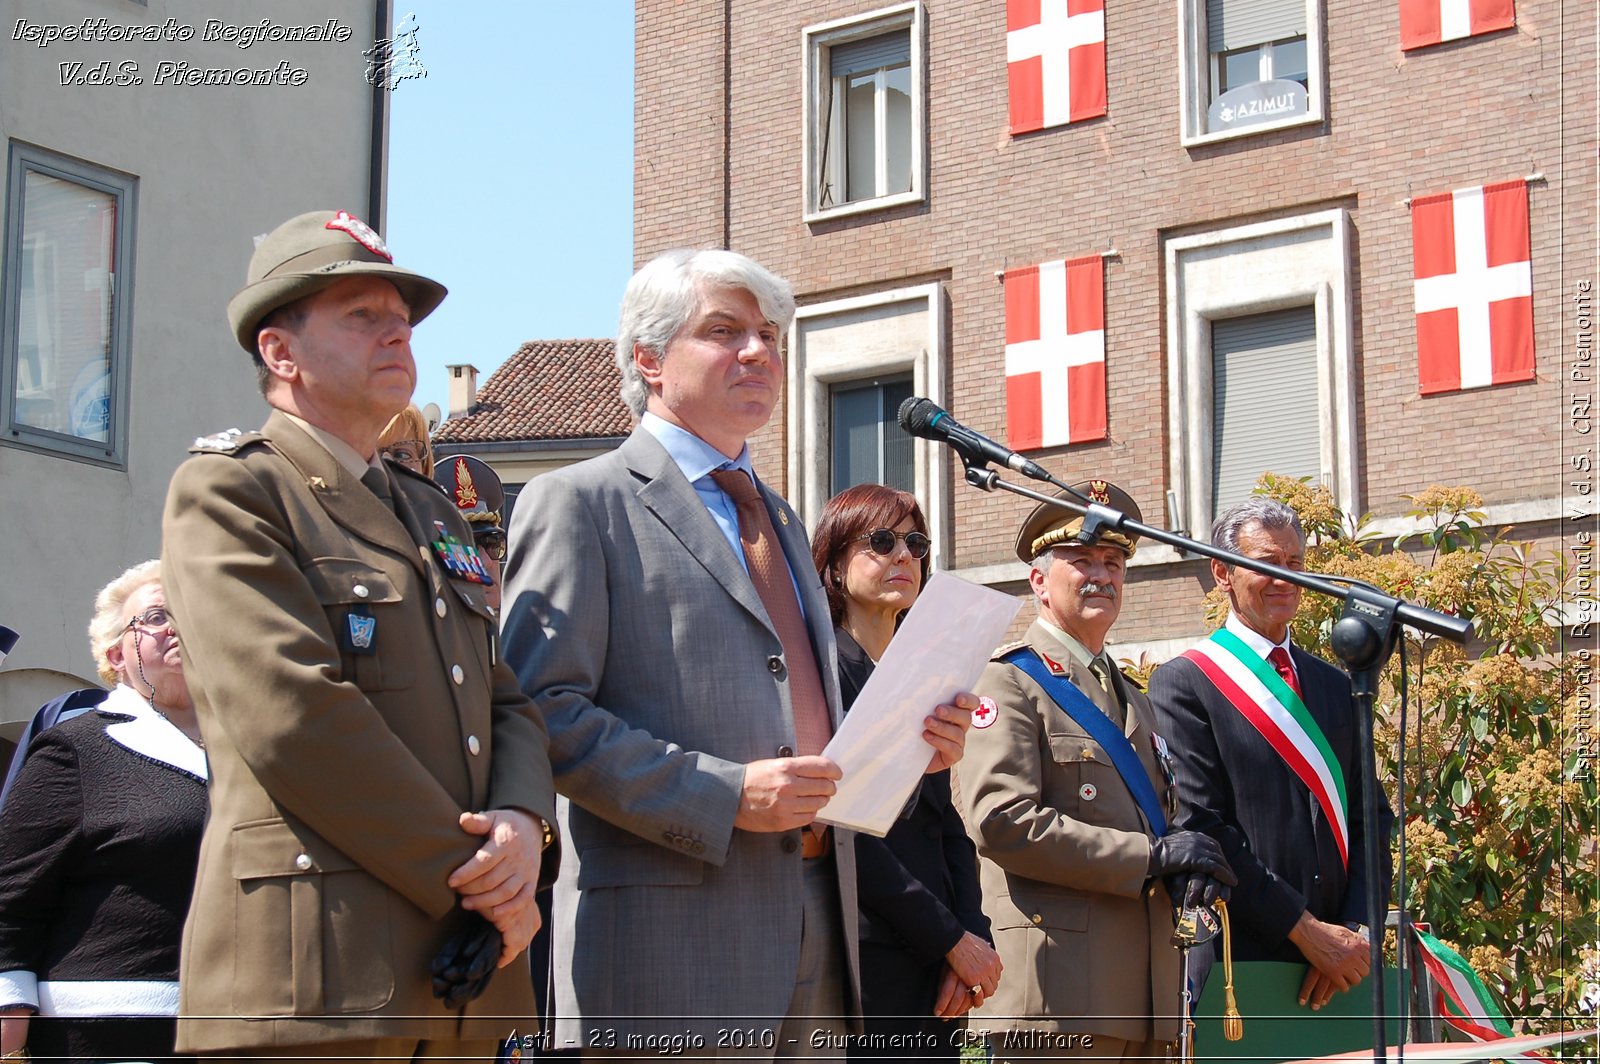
1066,790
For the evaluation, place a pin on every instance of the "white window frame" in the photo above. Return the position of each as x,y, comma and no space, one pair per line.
122,188
1290,262
811,377
1197,74
816,43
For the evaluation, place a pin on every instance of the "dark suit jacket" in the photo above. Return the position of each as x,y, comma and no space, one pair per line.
53,712
918,885
1234,787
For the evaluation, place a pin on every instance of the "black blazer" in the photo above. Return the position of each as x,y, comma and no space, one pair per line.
918,885
1234,787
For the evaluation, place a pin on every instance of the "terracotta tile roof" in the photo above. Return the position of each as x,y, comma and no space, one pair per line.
548,390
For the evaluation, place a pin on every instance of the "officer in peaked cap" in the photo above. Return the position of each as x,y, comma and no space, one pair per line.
379,781
475,488
1066,791
1047,526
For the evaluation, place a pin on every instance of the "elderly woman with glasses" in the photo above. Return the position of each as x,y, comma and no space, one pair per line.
926,957
99,839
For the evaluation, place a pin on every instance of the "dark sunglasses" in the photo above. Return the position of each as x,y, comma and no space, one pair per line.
492,544
882,541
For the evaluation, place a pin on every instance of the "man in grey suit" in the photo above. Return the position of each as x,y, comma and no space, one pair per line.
663,613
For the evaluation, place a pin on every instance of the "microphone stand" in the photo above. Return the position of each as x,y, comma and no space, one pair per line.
1363,638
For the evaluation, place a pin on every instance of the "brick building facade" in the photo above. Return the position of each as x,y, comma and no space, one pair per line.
1195,228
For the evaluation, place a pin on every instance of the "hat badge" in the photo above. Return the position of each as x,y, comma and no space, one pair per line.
1099,492
360,232
466,490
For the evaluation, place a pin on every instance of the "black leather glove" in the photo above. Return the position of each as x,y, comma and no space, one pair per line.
466,962
1196,871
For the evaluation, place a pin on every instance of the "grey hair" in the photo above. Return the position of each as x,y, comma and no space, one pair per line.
106,626
1270,514
661,298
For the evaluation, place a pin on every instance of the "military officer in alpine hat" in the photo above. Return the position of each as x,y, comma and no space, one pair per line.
380,786
1066,791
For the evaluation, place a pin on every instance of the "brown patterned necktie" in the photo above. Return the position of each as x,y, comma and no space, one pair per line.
763,554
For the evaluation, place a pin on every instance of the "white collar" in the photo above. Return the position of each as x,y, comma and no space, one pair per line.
1254,639
151,734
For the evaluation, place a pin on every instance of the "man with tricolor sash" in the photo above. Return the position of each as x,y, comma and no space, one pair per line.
1264,739
1067,791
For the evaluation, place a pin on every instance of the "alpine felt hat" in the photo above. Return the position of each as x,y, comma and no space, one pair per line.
1051,526
312,251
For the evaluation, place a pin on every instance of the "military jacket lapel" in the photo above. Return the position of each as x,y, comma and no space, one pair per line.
343,496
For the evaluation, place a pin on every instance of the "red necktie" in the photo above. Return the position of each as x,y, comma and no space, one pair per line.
1280,661
770,574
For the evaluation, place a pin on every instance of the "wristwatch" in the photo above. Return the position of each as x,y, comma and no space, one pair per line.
1361,929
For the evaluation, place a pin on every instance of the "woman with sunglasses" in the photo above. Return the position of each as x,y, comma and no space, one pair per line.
924,939
99,839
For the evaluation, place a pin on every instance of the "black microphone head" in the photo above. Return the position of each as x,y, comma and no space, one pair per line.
917,414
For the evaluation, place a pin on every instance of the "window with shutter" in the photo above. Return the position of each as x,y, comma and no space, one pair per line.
1264,411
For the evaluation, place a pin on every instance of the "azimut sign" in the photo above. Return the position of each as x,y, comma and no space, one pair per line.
1257,102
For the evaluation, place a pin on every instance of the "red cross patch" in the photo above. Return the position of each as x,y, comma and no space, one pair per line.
986,713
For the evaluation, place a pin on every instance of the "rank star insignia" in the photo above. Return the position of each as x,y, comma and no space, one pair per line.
986,713
360,232
1099,493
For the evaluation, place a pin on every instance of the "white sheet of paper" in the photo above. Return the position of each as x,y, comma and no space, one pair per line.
940,651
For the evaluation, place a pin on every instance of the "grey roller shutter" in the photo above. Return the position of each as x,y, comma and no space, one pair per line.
870,53
1265,414
1234,24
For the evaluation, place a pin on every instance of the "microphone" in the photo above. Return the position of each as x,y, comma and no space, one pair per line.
925,418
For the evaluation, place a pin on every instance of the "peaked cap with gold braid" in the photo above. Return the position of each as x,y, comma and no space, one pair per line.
1050,526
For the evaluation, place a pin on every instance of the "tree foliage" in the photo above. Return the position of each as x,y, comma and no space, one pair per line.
1500,809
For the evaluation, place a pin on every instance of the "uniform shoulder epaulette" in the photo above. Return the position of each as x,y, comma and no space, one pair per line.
225,442
1002,651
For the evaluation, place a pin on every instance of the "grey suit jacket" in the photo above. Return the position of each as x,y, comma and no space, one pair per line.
638,633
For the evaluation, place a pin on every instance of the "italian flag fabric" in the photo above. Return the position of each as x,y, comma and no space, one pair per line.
1464,1001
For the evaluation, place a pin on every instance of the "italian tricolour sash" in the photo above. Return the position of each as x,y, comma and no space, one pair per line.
1257,691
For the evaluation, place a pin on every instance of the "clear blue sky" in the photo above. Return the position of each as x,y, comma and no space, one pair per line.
511,175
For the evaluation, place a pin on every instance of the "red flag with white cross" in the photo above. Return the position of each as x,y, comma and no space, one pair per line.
1473,287
1055,353
1055,61
1428,22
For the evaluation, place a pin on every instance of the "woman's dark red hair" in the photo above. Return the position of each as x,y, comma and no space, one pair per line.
856,512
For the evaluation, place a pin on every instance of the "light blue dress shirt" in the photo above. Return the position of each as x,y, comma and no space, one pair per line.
698,460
